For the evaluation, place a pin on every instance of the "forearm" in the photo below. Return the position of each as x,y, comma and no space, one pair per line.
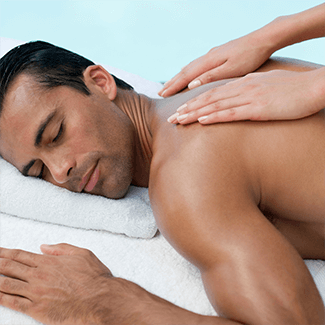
127,303
288,30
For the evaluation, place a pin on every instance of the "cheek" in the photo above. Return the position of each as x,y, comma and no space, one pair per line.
83,137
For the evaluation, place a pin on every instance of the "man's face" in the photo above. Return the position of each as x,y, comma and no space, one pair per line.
82,143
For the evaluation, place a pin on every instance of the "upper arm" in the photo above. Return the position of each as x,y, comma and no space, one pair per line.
251,273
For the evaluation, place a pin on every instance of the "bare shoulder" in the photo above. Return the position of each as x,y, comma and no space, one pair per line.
198,178
202,174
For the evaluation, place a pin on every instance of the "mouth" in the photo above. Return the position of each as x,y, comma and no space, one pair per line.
90,180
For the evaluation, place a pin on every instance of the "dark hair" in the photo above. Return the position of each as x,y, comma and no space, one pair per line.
52,66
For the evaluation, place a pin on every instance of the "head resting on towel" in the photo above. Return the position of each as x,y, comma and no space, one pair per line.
64,119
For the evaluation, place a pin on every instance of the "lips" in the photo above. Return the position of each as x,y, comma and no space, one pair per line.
90,180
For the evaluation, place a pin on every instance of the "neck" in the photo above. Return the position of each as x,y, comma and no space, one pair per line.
138,108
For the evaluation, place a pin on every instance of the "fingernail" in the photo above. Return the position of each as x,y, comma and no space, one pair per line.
201,119
162,95
182,117
172,118
181,107
194,84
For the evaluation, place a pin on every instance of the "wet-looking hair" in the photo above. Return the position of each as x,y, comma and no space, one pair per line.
50,65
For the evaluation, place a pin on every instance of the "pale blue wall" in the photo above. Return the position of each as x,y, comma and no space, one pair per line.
151,38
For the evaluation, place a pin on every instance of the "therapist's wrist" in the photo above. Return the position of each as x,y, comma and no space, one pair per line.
274,35
269,38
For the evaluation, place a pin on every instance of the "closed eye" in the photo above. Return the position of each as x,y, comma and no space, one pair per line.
41,173
59,133
54,140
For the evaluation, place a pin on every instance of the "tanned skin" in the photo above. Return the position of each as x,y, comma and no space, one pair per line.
242,201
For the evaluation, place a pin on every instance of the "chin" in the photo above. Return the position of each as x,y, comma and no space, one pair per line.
120,195
118,191
115,186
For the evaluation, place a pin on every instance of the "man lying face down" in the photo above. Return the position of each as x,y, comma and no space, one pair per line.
243,201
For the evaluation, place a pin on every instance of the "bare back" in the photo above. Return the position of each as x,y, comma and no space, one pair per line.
244,202
281,164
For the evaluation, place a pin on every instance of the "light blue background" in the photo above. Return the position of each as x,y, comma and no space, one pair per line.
153,39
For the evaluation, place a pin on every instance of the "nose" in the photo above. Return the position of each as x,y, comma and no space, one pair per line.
60,167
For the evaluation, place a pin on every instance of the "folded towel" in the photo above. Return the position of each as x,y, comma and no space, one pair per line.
35,199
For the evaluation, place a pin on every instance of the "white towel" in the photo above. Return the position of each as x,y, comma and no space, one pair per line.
35,199
151,263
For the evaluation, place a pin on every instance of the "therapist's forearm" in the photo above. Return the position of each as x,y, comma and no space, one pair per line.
288,30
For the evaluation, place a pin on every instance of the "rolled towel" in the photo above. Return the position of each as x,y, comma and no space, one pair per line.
32,198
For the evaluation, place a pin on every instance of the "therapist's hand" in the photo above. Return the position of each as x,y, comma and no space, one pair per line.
274,95
233,59
64,286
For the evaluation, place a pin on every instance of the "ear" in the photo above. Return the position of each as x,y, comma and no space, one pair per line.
97,76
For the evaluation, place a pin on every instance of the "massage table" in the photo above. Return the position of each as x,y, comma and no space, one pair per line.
122,233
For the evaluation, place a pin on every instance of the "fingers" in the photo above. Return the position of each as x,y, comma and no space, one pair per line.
33,260
214,96
197,76
177,83
27,258
13,286
189,74
17,303
218,73
14,281
60,249
231,96
216,99
241,113
229,108
14,269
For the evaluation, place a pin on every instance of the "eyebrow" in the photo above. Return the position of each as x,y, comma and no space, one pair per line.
38,139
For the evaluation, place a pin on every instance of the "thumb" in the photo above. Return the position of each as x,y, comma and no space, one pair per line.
59,249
